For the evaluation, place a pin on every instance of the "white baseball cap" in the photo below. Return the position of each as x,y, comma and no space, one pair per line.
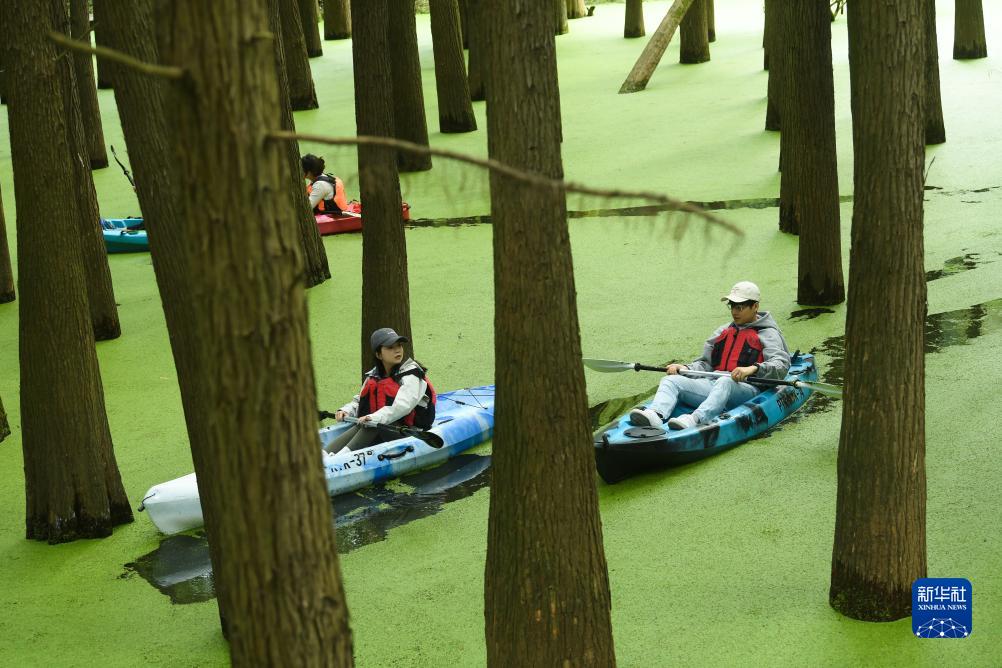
743,291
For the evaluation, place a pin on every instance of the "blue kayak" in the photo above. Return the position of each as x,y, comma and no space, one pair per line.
120,237
623,450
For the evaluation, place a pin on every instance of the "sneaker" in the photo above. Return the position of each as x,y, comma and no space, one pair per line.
645,417
682,421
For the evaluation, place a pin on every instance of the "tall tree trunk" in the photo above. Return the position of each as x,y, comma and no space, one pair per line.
94,255
337,19
656,47
694,46
576,9
455,110
311,28
385,287
7,293
774,49
72,485
711,22
809,110
464,8
935,131
409,118
559,16
314,253
546,586
969,31
105,69
86,86
765,36
4,424
256,372
3,79
634,24
880,530
478,48
302,93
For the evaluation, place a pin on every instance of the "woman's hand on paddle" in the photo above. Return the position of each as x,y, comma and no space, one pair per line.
675,368
365,418
742,372
340,416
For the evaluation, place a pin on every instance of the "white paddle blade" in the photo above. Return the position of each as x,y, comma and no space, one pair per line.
608,366
823,388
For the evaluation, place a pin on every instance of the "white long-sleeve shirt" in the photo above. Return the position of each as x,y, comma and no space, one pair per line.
321,190
409,396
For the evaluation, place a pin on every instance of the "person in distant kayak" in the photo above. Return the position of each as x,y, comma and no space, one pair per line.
750,345
395,391
326,191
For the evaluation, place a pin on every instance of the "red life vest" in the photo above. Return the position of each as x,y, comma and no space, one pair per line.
736,347
380,391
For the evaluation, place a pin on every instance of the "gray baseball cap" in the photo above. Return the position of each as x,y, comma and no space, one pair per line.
384,336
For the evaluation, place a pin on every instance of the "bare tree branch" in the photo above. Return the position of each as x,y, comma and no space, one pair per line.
116,56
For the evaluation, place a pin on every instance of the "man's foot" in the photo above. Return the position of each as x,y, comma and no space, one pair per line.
682,421
645,417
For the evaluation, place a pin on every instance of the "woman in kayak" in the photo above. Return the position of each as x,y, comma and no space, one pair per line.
326,191
395,391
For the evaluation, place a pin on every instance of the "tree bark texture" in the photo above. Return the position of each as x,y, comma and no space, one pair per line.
656,47
576,9
87,86
337,19
409,121
94,254
711,22
774,40
72,485
315,255
559,16
478,48
3,80
311,28
935,130
4,424
105,69
969,31
694,46
7,292
880,526
634,24
302,93
813,169
455,109
547,600
463,22
385,287
284,601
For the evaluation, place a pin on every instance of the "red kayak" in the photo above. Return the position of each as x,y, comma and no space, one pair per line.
350,219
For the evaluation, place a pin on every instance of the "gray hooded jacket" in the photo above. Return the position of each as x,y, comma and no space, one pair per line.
776,356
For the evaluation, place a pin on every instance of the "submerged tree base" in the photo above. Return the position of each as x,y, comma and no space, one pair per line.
861,598
79,524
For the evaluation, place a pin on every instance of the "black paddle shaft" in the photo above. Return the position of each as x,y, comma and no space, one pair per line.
761,382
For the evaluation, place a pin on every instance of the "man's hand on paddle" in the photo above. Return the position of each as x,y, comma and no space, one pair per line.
742,372
675,368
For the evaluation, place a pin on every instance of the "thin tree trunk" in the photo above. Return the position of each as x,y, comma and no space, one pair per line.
478,49
256,372
72,485
546,587
969,31
765,36
655,49
409,118
634,24
813,170
4,424
455,110
86,86
880,527
105,69
302,93
711,22
559,16
576,9
3,79
464,7
774,49
935,130
7,293
694,46
337,19
311,28
385,287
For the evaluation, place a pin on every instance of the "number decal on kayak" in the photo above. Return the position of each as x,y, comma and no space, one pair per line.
359,459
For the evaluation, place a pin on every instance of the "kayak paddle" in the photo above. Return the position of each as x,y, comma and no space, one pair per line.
434,440
124,170
612,366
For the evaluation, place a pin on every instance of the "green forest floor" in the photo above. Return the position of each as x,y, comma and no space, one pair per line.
725,562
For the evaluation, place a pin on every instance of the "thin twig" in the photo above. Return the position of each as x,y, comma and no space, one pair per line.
117,56
490,164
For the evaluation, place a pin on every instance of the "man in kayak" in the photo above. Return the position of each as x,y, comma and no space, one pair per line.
750,345
326,191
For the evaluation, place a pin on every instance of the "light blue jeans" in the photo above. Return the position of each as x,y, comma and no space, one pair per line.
711,396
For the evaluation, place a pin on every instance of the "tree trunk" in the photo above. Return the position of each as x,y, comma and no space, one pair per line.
385,287
105,69
455,110
302,93
410,123
935,131
559,16
256,374
656,47
3,79
7,293
810,134
711,22
694,46
765,36
774,49
546,588
4,424
464,7
634,24
86,86
311,28
576,9
72,485
94,255
478,48
880,534
969,31
337,19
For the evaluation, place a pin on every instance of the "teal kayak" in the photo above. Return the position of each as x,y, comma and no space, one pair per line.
120,237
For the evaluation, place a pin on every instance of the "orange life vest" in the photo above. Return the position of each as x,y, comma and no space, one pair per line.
335,205
736,347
